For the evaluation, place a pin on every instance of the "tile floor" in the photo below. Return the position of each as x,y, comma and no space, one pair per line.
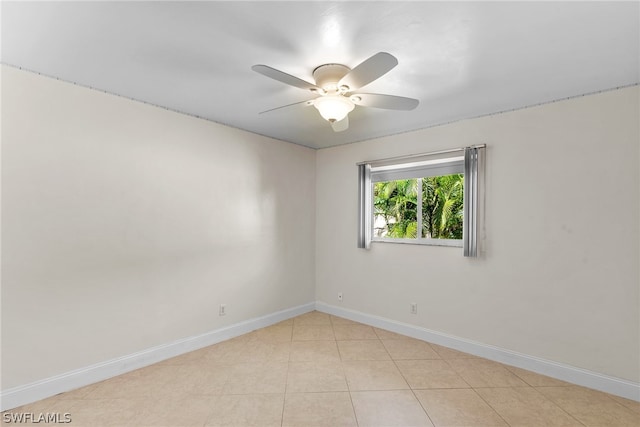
321,370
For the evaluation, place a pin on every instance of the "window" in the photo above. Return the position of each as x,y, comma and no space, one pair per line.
425,199
419,202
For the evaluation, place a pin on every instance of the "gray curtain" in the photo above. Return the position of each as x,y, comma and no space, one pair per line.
470,233
364,206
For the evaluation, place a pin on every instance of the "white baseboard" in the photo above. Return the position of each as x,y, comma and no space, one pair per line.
29,393
583,377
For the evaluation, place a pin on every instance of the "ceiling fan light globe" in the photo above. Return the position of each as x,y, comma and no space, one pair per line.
334,108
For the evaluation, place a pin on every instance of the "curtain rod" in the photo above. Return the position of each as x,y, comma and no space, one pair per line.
411,156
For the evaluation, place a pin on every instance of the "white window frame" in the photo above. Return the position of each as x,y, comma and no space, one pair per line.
417,170
462,160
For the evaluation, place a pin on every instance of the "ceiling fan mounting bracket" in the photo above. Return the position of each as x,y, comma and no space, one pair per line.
327,76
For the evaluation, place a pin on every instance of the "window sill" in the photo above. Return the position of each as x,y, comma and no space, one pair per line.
425,242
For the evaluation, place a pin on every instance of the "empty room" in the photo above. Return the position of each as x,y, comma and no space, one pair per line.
305,213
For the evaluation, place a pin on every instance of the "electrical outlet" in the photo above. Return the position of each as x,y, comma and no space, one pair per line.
339,296
413,307
223,310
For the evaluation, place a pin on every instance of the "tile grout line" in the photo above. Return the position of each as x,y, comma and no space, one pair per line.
480,396
346,380
286,380
555,404
284,396
409,385
514,387
534,388
490,406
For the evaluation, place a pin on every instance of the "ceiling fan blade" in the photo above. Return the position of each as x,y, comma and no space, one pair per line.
342,125
369,70
283,77
308,102
388,102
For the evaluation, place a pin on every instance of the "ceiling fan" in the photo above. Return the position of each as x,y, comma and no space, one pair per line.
336,88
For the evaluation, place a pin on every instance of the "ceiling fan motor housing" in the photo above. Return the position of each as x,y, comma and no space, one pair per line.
327,76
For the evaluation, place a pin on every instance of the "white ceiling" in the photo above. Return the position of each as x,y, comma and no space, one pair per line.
460,59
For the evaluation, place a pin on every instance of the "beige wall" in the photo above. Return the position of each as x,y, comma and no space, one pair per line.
124,226
559,279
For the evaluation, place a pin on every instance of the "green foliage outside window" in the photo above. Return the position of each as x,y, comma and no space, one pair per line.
396,207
